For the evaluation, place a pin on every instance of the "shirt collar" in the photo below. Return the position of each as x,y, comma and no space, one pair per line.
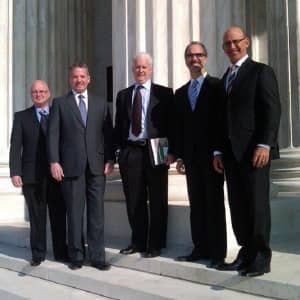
84,94
240,62
44,109
200,78
146,85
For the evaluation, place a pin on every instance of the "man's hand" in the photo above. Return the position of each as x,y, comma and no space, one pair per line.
17,181
108,168
218,164
261,157
57,171
170,159
180,167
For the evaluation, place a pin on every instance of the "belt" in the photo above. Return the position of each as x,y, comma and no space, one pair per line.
138,143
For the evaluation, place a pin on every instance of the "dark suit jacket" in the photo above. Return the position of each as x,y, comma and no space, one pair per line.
196,129
27,156
159,115
72,144
252,110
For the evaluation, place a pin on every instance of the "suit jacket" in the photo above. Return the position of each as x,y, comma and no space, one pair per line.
159,115
196,129
27,156
252,110
72,144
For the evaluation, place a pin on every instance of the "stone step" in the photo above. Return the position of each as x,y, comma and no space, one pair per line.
118,283
282,283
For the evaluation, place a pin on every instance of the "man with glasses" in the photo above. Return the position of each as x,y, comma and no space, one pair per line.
247,141
29,170
196,103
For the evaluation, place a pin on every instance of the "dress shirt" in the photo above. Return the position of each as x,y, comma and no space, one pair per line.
85,98
145,93
38,109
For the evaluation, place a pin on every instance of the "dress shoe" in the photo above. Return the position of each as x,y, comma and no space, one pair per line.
192,257
216,263
131,250
102,266
152,253
36,262
75,265
236,265
260,266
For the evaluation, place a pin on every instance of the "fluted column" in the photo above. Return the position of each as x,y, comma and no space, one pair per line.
283,24
5,79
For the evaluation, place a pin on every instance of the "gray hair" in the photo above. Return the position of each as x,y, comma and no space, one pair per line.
195,43
143,54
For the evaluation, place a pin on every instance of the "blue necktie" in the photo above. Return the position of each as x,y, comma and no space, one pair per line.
232,75
43,121
193,94
82,109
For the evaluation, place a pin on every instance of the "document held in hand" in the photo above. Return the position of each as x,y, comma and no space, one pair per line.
158,151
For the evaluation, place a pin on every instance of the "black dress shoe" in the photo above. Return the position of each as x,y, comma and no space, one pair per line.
152,253
216,263
192,257
131,250
260,266
36,262
102,266
75,265
236,265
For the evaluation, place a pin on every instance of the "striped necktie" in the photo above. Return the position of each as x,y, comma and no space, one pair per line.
82,109
231,78
193,94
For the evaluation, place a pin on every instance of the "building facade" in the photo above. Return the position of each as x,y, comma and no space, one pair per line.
40,38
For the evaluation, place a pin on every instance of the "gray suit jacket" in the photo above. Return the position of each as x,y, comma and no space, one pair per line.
72,144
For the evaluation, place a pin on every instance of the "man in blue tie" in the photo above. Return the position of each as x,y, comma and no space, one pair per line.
196,105
29,169
81,155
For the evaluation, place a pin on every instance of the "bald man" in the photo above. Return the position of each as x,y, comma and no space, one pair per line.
246,145
29,170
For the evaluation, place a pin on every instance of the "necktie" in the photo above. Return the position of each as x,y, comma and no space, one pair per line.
43,121
232,75
193,94
82,109
136,122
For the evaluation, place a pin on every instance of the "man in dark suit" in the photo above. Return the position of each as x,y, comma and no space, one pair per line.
247,143
196,103
142,113
29,169
81,155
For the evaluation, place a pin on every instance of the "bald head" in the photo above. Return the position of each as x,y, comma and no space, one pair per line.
40,93
235,43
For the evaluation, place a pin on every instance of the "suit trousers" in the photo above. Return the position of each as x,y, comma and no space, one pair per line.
207,210
142,182
248,193
37,197
77,191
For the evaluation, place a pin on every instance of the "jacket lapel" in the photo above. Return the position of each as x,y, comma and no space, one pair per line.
71,102
128,99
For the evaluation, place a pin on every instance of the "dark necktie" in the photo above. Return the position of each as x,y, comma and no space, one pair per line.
231,78
136,122
193,95
44,121
82,109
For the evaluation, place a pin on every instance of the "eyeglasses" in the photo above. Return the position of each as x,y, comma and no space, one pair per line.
39,92
197,55
227,44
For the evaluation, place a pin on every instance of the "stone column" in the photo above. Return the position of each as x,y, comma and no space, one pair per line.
283,27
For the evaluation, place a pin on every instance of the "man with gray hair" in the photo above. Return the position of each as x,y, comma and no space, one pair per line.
143,113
